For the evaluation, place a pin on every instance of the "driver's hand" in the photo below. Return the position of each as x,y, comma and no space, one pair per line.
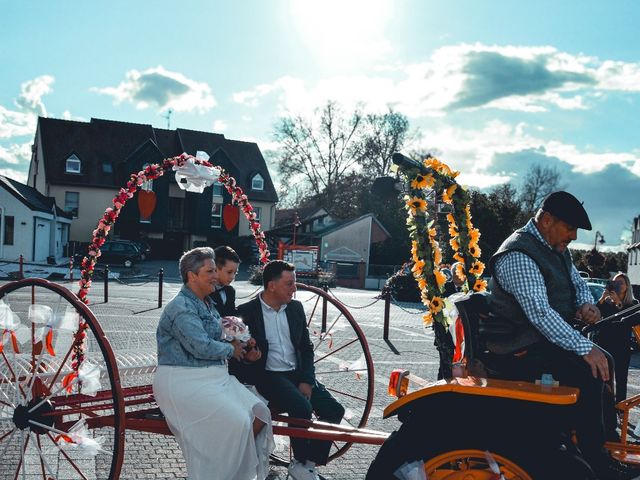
598,363
588,313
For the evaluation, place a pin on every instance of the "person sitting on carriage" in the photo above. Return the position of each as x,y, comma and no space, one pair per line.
224,295
536,295
285,374
223,429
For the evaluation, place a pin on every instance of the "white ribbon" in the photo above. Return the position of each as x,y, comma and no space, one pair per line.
89,376
195,178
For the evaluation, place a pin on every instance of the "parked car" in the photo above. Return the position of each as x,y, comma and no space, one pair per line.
117,252
145,249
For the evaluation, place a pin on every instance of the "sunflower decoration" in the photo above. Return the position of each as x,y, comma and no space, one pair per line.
425,249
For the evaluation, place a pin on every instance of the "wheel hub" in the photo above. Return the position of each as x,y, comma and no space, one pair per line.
21,416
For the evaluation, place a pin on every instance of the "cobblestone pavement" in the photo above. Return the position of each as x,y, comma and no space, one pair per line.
129,319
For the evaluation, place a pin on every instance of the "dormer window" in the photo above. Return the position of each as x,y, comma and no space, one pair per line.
257,182
73,164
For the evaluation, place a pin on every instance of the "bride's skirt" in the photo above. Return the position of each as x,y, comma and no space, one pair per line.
211,415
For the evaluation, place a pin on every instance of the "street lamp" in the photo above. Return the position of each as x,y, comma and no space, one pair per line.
599,238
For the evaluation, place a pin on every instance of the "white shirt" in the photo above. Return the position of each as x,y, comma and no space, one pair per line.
282,355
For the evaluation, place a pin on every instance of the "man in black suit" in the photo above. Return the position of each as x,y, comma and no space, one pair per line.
285,374
224,295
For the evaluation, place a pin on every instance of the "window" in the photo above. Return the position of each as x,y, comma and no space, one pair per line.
258,211
216,215
73,164
107,167
217,189
257,182
8,230
72,203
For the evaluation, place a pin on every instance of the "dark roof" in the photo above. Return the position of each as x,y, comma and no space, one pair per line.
31,197
340,226
108,141
287,216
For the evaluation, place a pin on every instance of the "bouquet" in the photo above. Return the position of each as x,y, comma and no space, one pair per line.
233,328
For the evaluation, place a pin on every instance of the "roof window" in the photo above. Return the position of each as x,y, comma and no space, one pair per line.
73,164
257,182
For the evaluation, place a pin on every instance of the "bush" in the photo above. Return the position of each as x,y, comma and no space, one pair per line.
402,286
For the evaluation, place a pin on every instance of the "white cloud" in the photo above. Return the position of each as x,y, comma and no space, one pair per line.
16,124
530,79
31,93
220,126
16,154
165,89
15,174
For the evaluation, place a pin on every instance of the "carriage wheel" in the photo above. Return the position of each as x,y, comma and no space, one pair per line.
473,465
342,359
40,434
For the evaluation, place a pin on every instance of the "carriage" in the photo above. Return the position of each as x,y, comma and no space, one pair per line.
67,398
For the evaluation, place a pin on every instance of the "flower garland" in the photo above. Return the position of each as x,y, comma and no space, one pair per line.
151,172
425,249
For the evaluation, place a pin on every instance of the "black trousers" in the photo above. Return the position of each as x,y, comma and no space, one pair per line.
281,389
595,417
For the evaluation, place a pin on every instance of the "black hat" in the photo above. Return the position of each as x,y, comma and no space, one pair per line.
567,208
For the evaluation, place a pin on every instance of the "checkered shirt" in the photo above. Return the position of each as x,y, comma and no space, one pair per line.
520,276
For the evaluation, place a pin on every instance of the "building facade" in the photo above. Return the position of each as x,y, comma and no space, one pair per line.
82,165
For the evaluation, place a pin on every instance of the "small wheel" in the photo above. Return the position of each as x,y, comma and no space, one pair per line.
128,263
39,416
343,362
473,465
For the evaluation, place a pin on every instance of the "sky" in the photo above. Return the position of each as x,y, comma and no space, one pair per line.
492,87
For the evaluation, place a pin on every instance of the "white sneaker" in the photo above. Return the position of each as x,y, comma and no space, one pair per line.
299,471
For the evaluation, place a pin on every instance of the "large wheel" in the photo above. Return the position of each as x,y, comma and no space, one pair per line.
39,320
342,359
473,465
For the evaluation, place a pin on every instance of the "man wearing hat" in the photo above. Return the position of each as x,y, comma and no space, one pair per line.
536,294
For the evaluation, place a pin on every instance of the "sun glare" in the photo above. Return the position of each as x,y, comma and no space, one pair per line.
343,31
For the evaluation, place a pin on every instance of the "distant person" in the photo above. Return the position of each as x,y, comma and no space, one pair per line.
223,429
615,338
224,295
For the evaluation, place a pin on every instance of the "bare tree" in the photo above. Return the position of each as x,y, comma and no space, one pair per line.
319,154
538,183
384,135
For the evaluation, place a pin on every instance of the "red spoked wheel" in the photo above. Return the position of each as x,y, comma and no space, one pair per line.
53,425
473,465
343,362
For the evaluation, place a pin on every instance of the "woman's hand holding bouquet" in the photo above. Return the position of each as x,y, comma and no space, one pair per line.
234,330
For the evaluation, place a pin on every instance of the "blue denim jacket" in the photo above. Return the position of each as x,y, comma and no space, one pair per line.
189,333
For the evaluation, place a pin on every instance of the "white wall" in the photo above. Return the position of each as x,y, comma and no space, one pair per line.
266,219
22,228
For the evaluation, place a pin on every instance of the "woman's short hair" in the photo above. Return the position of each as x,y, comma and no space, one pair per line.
273,271
193,260
628,296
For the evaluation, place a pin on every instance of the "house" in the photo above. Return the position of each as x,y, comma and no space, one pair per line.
344,247
633,250
83,164
31,224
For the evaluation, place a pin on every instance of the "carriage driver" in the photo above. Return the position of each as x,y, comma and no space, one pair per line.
536,294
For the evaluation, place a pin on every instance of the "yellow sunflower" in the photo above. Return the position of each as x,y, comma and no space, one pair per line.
474,235
437,253
480,285
432,162
474,250
453,230
440,277
416,204
417,267
432,233
436,304
468,212
459,271
458,257
477,268
448,193
422,283
427,319
414,250
454,244
451,219
422,181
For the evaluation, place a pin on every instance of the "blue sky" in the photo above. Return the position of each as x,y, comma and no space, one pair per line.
493,86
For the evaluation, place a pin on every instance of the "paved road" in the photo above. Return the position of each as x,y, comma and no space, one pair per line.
130,318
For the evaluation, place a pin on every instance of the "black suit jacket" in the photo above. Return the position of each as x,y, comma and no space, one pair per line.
228,308
251,313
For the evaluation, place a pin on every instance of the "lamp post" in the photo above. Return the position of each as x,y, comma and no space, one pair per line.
599,239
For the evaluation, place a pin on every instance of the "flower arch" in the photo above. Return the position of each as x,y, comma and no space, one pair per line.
434,175
201,173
